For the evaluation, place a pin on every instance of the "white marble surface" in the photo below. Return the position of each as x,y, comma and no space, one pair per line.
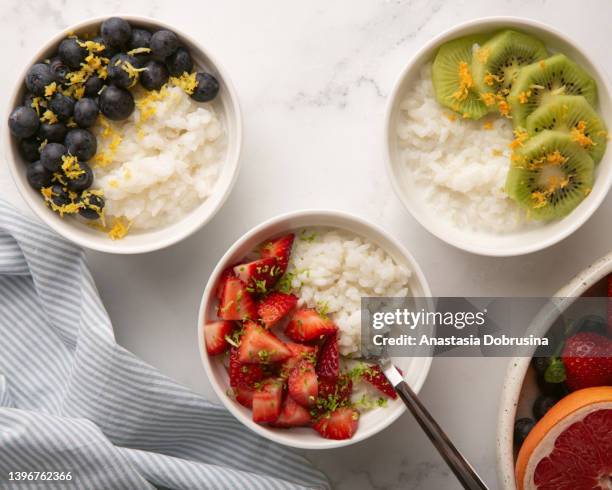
312,78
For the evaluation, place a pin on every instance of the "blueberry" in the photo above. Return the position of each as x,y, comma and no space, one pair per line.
23,122
207,88
28,99
540,364
116,103
179,62
543,404
116,32
81,143
118,70
51,156
163,44
29,149
72,53
60,195
53,133
83,181
38,77
59,69
93,85
62,106
140,38
93,205
522,428
38,176
108,51
85,112
155,75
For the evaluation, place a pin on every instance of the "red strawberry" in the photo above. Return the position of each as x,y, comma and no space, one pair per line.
587,358
307,324
303,384
243,375
298,353
275,307
236,302
328,363
280,249
259,275
244,396
292,415
339,424
610,305
267,401
214,335
339,389
260,346
375,376
227,273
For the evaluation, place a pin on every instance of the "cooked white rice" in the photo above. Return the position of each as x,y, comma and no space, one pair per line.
458,165
161,167
334,269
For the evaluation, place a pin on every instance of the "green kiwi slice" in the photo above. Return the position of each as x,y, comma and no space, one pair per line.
497,62
550,175
452,77
538,82
572,114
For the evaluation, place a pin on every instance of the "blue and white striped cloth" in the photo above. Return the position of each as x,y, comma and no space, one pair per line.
72,400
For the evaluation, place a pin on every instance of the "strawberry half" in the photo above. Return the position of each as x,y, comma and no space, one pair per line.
280,249
328,364
243,375
275,307
236,302
307,324
267,401
587,358
339,389
375,376
299,352
214,336
259,275
223,277
610,305
303,384
292,415
244,396
259,346
339,424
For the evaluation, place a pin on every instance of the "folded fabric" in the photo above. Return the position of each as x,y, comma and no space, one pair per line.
74,403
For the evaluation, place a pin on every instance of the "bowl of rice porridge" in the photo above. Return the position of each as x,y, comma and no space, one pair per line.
327,261
451,164
138,136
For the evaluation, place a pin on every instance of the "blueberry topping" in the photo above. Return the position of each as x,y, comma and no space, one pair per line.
108,51
116,32
38,176
543,404
59,195
72,53
163,44
83,181
53,133
62,106
120,72
93,85
140,38
23,122
51,156
522,428
116,103
85,112
59,69
38,77
155,74
207,88
179,62
93,205
29,149
81,143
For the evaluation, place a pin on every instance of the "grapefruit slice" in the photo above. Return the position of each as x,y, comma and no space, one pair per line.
570,448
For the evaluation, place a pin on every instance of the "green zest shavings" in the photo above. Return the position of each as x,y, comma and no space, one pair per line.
305,236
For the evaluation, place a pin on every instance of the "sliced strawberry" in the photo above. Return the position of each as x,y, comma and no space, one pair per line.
587,358
339,389
303,384
214,336
610,305
280,249
236,302
267,401
339,424
328,364
292,415
223,277
244,396
259,275
299,352
275,307
375,376
260,346
307,324
243,375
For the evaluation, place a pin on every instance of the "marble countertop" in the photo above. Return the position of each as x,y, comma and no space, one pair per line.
312,78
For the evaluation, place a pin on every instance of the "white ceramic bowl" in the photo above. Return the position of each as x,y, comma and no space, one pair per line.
519,388
520,242
136,241
415,369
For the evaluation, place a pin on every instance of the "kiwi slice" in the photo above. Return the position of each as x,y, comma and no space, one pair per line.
538,82
572,114
452,77
550,175
496,63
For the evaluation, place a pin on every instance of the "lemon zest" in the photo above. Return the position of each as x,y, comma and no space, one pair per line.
578,134
466,82
188,81
50,89
49,117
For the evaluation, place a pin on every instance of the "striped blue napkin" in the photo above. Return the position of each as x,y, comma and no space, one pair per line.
81,411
